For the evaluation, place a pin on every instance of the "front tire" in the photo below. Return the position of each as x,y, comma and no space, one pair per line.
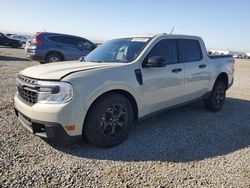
109,120
217,98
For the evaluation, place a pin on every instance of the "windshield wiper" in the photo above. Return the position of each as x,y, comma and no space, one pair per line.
81,59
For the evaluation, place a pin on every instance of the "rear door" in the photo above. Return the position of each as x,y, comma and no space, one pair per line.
163,86
197,74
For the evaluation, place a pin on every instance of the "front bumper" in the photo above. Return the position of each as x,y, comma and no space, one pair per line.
47,130
49,120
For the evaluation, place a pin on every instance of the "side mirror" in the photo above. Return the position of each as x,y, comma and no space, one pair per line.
81,58
155,61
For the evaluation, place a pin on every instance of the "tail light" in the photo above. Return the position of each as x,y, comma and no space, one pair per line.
38,40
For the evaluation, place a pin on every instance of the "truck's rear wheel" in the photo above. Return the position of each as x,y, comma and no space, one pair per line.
217,98
54,57
109,120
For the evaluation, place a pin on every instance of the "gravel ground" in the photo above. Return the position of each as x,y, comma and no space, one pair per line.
184,147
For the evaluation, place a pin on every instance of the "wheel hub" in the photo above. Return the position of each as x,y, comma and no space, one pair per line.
54,59
113,120
219,95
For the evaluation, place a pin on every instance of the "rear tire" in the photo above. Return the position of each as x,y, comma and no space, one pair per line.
54,57
109,120
217,98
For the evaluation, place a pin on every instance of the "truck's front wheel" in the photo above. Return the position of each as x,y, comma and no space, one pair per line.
109,120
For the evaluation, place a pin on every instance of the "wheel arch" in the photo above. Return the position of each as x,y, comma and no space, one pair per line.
223,76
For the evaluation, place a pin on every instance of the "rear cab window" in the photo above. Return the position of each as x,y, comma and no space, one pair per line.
190,50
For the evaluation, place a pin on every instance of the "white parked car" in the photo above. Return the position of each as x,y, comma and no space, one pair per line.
121,81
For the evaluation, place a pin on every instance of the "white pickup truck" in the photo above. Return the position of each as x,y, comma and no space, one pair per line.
120,82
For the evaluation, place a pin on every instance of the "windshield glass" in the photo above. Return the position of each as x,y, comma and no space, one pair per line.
118,50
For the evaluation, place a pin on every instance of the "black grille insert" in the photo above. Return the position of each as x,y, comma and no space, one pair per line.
27,89
29,96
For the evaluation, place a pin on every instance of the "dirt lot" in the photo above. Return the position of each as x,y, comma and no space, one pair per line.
184,147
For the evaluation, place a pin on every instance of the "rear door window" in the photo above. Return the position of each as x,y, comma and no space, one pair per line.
56,39
190,50
64,39
73,41
167,49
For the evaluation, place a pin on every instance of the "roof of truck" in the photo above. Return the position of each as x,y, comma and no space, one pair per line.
158,35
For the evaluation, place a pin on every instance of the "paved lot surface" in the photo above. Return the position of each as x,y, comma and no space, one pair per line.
184,147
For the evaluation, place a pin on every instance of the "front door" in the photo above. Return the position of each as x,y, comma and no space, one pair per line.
163,86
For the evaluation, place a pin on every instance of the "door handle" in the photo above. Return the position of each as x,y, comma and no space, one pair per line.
176,70
202,66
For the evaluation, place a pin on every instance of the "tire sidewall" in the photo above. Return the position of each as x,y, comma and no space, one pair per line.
217,86
96,115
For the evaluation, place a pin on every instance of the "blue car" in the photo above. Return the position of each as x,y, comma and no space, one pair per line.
53,47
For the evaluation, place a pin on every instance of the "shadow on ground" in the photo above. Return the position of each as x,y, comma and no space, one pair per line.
185,134
9,58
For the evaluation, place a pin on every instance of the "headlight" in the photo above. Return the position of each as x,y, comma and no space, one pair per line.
54,92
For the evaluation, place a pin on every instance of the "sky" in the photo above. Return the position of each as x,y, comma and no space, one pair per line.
223,24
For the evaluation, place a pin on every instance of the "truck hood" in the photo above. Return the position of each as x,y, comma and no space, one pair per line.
56,71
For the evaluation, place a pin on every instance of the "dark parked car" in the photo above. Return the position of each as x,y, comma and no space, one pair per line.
21,38
53,47
6,41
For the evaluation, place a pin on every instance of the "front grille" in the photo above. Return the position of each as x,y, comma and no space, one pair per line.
27,89
28,96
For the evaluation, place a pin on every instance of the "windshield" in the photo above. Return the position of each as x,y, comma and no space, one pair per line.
118,50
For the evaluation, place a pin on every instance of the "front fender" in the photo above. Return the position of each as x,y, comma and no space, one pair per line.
97,92
90,85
